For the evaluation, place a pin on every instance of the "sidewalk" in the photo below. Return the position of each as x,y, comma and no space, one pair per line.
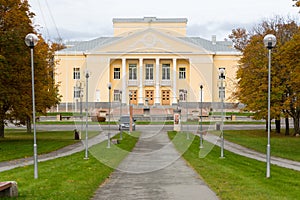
240,150
68,150
154,170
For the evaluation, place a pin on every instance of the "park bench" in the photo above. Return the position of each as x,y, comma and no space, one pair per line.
8,189
65,117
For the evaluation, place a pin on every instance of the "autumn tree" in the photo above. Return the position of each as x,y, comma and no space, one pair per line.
297,3
16,94
289,57
253,71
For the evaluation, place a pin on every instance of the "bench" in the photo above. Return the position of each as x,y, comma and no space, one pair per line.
8,189
228,117
65,117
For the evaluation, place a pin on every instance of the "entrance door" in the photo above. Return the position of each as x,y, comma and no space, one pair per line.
133,99
165,95
149,96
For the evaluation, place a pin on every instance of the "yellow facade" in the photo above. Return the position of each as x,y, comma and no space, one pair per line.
152,59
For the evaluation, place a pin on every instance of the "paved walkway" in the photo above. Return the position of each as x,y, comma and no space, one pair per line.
238,149
154,170
68,150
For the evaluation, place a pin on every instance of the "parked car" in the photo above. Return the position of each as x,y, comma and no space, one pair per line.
124,123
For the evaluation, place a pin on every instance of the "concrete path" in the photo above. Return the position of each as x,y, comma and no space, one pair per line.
68,150
240,150
154,170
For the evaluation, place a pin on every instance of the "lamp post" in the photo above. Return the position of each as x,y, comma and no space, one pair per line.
180,99
87,75
130,112
108,135
31,40
187,116
79,85
269,42
201,106
222,95
121,113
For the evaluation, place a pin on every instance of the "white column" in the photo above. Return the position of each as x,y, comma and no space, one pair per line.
123,77
140,75
174,81
157,80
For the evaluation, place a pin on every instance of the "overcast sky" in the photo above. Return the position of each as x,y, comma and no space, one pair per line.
88,19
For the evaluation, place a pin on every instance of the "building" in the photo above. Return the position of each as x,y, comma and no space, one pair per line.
152,59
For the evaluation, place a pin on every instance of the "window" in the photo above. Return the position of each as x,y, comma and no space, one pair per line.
76,92
182,73
76,73
116,73
117,95
182,95
149,72
132,72
165,71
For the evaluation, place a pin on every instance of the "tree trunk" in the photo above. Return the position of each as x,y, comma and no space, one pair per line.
296,125
28,124
1,129
277,123
267,125
287,126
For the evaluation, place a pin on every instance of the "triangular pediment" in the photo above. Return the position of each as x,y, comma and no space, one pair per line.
150,41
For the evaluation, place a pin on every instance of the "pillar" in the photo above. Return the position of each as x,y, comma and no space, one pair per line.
140,75
124,96
157,83
174,88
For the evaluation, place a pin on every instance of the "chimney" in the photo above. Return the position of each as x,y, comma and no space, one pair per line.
214,39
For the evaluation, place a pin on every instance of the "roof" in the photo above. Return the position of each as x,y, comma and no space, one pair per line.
150,19
218,46
85,46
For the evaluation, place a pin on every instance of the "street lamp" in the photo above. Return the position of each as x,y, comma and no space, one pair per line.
269,42
130,112
31,40
79,85
87,75
121,113
222,95
187,116
201,106
108,135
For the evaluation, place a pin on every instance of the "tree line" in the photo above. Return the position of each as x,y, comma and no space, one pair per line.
252,74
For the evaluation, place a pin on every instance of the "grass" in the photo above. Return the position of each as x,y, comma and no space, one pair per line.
281,146
19,144
69,177
238,177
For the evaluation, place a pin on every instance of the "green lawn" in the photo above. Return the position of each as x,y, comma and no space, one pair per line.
238,177
19,144
70,177
281,146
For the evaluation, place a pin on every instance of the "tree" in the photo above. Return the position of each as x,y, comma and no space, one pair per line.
16,101
289,56
297,3
240,38
253,71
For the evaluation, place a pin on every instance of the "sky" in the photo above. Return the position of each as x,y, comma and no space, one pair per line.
89,19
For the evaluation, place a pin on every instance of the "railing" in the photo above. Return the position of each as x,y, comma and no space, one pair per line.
165,82
149,82
132,82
